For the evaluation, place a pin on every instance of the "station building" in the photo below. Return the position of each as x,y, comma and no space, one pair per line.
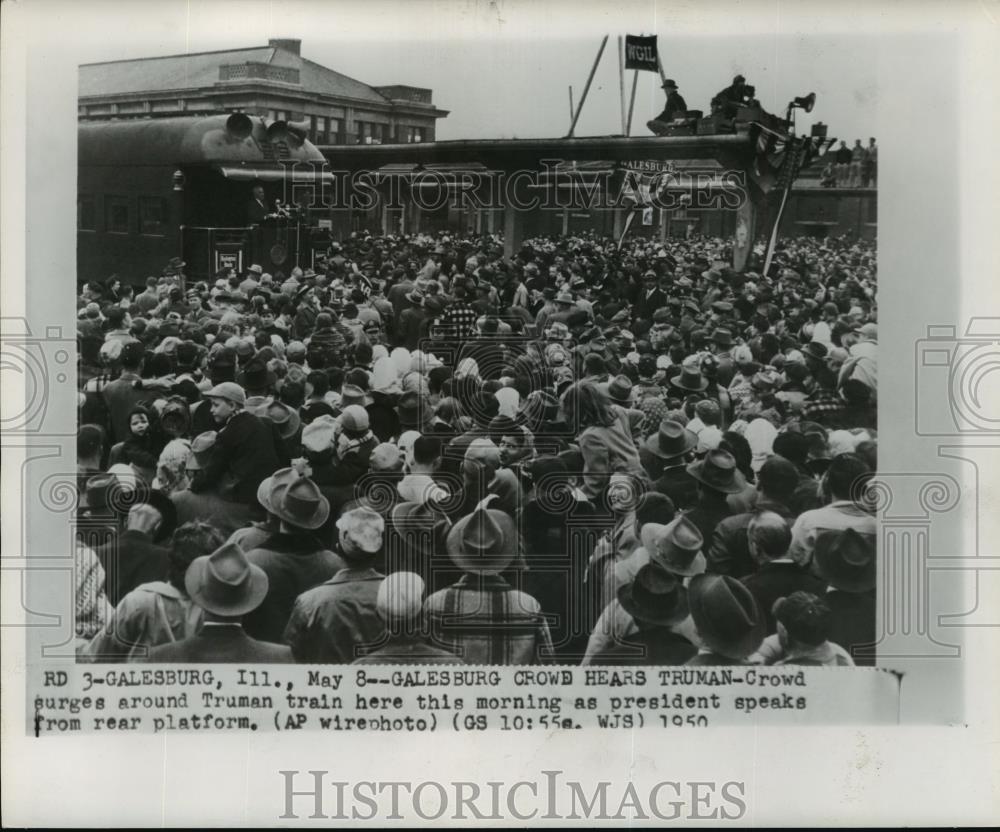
274,81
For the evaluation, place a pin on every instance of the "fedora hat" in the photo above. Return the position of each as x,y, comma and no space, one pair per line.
352,394
285,418
620,389
846,559
723,337
727,617
256,269
718,471
565,297
225,582
256,376
482,542
669,84
201,449
690,378
415,296
671,440
300,503
108,491
654,597
281,477
676,546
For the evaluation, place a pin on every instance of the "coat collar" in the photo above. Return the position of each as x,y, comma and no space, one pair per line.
350,574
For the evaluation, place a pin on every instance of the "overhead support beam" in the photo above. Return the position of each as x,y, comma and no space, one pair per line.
510,153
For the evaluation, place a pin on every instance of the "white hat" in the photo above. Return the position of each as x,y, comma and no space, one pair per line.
401,359
385,379
406,440
400,597
509,400
709,438
760,434
467,367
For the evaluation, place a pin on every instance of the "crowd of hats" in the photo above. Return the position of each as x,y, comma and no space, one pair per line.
715,368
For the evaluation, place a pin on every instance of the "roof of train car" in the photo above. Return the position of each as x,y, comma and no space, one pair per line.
178,141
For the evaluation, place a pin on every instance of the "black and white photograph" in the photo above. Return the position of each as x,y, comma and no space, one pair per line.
351,390
507,373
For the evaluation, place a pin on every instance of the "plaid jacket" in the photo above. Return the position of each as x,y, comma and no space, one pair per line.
460,320
483,620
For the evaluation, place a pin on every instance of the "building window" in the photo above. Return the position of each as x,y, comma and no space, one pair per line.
153,215
313,128
116,219
86,213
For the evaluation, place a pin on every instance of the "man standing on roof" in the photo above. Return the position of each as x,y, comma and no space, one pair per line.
726,101
676,107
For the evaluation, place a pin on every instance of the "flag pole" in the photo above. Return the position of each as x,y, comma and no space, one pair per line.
621,81
586,89
571,103
659,65
631,104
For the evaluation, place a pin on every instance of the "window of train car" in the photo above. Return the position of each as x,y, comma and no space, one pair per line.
116,215
152,215
86,213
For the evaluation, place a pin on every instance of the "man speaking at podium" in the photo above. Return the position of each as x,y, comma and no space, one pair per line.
257,210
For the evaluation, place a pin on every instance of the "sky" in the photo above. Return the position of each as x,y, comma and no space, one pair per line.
503,69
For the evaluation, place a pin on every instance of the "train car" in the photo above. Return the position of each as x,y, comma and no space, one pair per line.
150,190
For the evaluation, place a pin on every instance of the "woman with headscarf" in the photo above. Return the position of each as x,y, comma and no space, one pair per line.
603,434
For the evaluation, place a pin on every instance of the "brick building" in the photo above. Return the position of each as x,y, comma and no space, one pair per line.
274,81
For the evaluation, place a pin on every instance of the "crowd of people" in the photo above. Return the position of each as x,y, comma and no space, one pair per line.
427,452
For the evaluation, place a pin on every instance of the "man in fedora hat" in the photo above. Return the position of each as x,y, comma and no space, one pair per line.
728,623
656,601
842,487
690,378
227,587
717,477
651,297
138,554
159,611
729,550
410,323
399,604
675,107
295,559
845,560
656,511
208,505
335,622
666,455
481,618
246,450
675,547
